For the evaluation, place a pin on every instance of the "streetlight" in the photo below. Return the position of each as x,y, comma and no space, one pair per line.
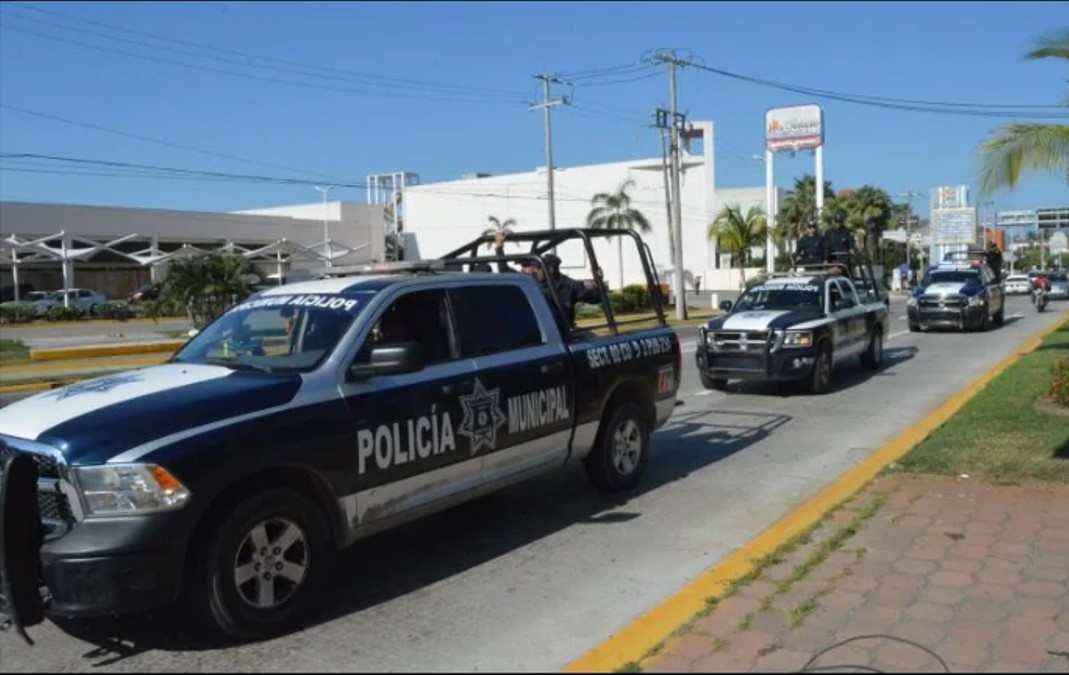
770,217
909,196
326,231
987,219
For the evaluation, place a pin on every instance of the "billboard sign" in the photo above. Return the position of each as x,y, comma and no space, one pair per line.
954,226
1059,243
950,197
795,128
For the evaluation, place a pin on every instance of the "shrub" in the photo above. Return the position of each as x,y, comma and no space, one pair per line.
120,311
61,313
1059,382
18,312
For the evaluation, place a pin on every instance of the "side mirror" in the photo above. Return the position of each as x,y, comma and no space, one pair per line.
726,305
393,359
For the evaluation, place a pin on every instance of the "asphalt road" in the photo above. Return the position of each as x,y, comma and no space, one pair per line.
532,577
48,336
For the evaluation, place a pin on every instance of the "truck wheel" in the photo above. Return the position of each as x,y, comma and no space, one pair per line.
914,327
716,384
873,356
820,379
261,565
1000,316
621,451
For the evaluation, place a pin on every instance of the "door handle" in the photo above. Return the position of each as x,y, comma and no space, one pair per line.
551,368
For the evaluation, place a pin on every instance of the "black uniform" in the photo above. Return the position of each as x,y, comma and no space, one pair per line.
569,292
811,250
994,261
840,243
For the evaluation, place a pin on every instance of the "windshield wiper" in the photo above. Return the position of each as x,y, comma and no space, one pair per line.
233,364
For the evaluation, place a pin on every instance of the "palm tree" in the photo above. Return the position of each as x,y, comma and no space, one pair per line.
498,227
1027,146
799,208
614,212
207,285
739,233
867,211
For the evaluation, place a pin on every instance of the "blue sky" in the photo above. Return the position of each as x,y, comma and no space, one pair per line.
945,51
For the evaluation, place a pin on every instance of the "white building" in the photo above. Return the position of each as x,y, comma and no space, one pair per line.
38,234
439,217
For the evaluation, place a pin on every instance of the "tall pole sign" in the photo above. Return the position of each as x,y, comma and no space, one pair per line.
790,130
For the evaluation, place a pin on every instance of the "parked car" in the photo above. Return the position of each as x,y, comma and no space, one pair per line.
1059,286
1018,284
305,419
84,299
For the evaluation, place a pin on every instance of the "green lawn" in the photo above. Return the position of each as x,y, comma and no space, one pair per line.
1000,435
13,350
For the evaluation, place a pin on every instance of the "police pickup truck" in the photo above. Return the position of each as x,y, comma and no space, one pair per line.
305,418
959,293
795,327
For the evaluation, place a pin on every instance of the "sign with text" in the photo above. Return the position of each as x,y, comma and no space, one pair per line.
795,128
954,226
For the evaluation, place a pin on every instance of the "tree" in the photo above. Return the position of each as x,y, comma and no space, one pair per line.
498,227
799,208
1027,146
207,285
867,211
613,212
738,233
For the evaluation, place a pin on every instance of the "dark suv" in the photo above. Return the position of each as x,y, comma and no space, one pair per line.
965,296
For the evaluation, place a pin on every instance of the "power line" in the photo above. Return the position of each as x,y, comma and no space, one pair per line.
158,141
261,78
388,79
941,107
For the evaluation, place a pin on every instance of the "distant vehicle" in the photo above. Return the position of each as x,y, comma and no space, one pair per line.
82,298
1018,284
961,295
26,297
144,293
1059,286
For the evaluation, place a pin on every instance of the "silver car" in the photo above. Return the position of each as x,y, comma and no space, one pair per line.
1059,286
1018,284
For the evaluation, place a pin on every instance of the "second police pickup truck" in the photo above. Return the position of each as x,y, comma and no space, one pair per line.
796,327
308,417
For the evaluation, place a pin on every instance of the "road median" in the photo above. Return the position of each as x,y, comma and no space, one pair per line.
104,351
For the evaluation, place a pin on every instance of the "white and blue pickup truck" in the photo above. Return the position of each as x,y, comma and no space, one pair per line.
794,328
305,418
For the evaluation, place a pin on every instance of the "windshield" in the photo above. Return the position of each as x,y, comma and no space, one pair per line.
285,333
953,277
781,296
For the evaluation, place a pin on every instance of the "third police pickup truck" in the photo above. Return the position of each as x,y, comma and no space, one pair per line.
795,327
305,418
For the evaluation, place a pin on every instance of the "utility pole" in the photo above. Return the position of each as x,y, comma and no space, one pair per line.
547,105
678,122
326,229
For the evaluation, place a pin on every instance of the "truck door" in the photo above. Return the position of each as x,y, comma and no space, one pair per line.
408,450
521,414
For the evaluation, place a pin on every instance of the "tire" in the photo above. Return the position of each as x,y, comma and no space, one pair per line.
873,356
1000,316
621,451
716,384
820,379
914,328
231,608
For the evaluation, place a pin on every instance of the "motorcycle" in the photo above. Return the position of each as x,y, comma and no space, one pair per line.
1039,299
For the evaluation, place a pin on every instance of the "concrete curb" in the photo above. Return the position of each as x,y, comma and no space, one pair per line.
631,644
98,351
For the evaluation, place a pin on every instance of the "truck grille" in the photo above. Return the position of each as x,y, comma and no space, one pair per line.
53,505
739,341
954,302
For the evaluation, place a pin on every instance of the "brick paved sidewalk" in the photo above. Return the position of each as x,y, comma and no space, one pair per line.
977,573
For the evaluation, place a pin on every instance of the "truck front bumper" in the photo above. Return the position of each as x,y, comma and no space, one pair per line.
763,364
968,316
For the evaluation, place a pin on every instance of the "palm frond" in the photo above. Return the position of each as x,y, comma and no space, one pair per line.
1021,147
1052,45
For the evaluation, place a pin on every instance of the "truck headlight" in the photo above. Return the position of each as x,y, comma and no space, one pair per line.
798,339
976,301
129,489
912,302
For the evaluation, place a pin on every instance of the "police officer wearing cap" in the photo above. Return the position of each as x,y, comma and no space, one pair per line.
568,291
811,247
840,242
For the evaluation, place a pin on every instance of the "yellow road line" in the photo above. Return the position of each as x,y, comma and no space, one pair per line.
636,639
100,351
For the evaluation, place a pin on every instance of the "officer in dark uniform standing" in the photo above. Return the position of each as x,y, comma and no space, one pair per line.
840,243
993,257
811,247
568,291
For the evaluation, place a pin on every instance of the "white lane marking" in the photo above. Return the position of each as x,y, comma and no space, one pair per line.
704,392
903,317
900,333
1016,315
